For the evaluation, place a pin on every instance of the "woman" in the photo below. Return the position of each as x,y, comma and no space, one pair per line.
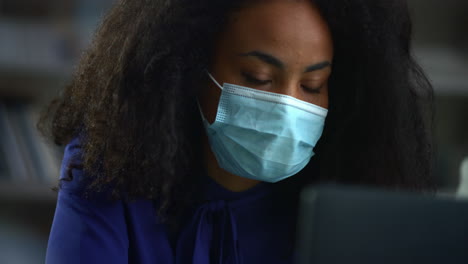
191,126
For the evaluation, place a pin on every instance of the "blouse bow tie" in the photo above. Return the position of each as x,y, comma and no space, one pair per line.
211,236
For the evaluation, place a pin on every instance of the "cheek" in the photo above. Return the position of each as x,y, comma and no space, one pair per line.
320,99
324,102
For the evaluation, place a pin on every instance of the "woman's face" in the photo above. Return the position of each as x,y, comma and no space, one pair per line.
278,46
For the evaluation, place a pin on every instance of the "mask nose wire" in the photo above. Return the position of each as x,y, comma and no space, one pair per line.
214,80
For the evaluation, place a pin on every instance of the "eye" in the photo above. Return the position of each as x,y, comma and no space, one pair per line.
315,90
251,79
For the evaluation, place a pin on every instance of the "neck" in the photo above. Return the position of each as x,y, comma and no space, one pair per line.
228,180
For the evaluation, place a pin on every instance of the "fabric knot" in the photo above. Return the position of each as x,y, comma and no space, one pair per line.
211,236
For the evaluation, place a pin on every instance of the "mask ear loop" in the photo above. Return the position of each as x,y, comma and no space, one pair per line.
214,80
198,102
205,122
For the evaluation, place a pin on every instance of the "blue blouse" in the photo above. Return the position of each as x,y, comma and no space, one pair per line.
230,227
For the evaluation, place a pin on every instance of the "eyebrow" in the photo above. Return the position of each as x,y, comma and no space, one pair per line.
267,58
318,66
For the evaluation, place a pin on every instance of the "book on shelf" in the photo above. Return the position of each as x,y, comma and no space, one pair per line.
14,112
4,167
49,155
16,167
28,157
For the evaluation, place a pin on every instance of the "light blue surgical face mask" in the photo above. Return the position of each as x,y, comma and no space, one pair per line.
262,135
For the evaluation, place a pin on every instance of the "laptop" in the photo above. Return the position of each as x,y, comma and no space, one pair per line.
350,224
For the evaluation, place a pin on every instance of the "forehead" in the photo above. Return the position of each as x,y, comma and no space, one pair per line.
292,30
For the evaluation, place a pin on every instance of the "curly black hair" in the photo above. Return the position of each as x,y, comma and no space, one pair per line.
132,99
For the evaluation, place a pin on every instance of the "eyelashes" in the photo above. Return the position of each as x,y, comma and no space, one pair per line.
258,82
252,80
312,90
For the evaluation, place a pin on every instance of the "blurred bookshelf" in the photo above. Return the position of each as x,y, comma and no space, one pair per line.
33,193
441,46
25,157
40,44
446,68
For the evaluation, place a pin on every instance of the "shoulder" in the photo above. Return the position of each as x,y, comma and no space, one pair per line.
85,229
73,179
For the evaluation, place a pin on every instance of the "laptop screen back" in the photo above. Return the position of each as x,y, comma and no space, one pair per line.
357,225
